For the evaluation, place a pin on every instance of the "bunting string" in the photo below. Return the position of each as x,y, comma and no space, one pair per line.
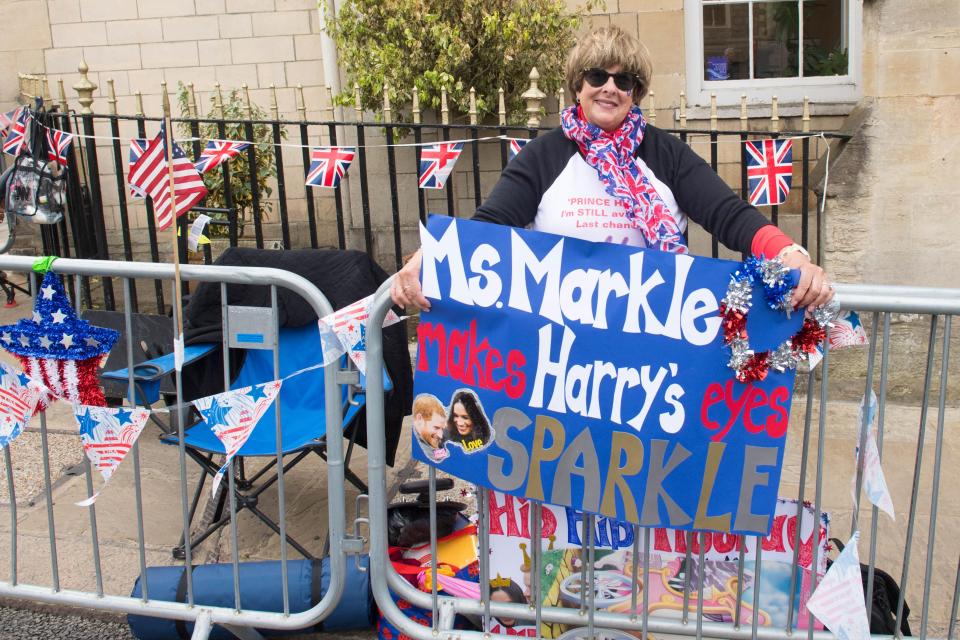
294,145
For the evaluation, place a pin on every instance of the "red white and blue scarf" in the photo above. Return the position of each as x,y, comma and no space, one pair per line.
612,156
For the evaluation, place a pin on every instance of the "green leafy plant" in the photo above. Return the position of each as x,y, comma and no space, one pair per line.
431,44
819,61
241,190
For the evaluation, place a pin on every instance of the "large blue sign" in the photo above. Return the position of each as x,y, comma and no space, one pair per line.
594,376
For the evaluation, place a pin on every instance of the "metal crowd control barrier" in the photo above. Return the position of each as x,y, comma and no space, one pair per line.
881,303
239,621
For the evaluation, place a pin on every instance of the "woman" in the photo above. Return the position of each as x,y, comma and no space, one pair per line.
506,590
466,424
605,162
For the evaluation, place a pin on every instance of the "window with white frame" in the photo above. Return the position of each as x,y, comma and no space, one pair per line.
792,48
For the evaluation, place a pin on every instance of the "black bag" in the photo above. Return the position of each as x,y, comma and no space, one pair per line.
36,187
886,593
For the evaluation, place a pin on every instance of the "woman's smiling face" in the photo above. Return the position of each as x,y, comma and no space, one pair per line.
461,419
605,106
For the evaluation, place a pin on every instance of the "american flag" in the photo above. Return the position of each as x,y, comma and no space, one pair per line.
108,433
137,147
436,163
58,146
233,415
217,152
838,601
149,173
769,171
328,165
516,144
18,132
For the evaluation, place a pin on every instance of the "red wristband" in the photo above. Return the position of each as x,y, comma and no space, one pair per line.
769,241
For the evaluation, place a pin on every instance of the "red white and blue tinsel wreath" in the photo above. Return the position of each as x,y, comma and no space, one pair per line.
749,365
58,349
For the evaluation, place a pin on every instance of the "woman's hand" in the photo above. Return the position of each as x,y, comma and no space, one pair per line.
814,289
406,290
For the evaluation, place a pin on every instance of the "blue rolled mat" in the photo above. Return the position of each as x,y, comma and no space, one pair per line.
260,590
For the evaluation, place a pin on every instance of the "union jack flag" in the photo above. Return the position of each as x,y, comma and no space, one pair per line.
328,165
233,415
769,171
149,173
217,152
516,144
108,434
7,118
137,147
436,163
58,146
18,132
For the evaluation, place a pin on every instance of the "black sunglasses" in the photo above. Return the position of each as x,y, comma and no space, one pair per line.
623,80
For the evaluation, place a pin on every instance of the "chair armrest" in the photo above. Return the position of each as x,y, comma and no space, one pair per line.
154,369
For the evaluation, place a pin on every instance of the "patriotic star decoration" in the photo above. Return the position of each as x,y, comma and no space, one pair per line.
57,348
107,434
348,328
233,415
19,396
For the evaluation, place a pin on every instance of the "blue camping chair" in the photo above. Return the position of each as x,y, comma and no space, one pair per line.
303,420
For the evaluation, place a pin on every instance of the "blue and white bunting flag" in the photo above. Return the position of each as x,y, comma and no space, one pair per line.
19,395
107,435
874,482
233,415
838,600
436,163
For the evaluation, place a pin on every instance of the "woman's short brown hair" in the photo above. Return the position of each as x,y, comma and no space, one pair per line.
607,47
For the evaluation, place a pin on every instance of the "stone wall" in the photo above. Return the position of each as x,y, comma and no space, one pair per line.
890,213
141,43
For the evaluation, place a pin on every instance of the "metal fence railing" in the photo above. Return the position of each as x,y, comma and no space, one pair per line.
917,549
59,535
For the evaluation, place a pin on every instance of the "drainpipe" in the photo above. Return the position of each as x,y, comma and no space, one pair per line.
331,77
328,49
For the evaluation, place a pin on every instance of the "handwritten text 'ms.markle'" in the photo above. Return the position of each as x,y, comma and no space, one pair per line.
581,295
